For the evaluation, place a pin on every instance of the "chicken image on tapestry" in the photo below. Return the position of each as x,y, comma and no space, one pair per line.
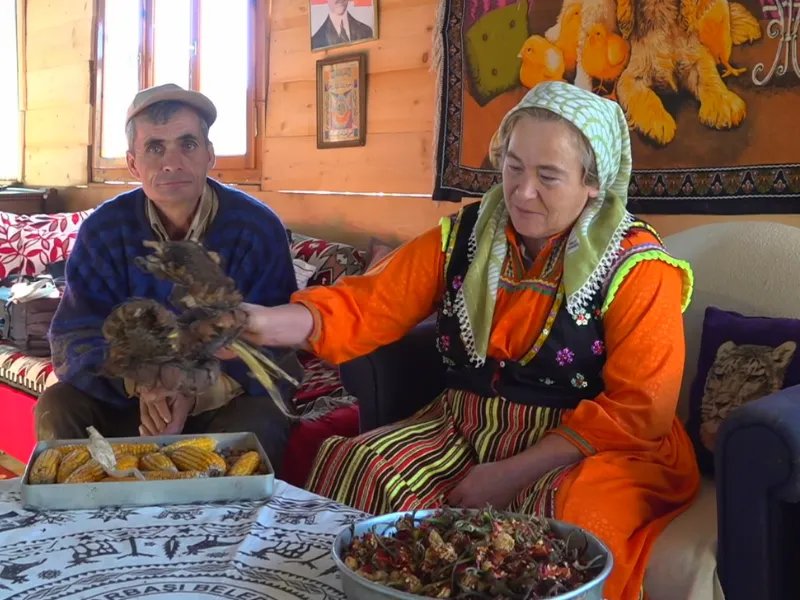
708,87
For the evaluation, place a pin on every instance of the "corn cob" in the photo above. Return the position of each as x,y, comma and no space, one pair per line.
75,459
204,443
45,467
135,449
64,450
189,458
159,475
90,472
246,464
155,461
126,462
162,475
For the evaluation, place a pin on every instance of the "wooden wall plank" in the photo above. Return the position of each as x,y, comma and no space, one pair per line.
397,102
46,14
58,166
65,44
53,88
390,163
290,14
69,125
404,44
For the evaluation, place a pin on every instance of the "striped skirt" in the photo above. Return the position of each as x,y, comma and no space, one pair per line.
415,463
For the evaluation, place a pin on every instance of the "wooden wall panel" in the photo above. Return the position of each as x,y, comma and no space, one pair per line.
59,46
56,165
53,88
291,14
397,157
68,125
405,43
294,105
389,163
47,14
58,112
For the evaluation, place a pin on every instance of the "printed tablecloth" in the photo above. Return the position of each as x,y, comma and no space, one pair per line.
243,551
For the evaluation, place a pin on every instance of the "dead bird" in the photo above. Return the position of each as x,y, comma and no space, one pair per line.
145,345
210,319
197,274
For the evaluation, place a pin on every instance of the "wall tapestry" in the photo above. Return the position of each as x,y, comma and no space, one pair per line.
711,89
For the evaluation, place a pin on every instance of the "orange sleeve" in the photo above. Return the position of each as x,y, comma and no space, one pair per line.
646,352
361,313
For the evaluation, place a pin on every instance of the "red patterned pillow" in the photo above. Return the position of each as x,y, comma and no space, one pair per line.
30,242
332,260
27,373
319,379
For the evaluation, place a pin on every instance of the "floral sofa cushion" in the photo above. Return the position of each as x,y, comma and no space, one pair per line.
30,242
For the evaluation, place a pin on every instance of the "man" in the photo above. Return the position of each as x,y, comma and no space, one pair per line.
169,152
340,27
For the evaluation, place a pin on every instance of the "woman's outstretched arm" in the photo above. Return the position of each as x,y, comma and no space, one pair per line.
361,313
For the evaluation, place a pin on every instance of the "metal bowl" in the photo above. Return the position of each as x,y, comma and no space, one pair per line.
357,587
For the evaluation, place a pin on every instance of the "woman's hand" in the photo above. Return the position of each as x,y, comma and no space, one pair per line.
489,483
498,483
287,326
257,325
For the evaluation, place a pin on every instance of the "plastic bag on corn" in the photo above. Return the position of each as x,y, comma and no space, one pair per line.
103,453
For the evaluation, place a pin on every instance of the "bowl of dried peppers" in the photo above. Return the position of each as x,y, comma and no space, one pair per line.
467,554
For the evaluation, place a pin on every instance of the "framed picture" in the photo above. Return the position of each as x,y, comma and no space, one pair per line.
342,101
336,23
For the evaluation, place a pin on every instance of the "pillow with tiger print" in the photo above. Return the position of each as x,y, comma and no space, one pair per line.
741,359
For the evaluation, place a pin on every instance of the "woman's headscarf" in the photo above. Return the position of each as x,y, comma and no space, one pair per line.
594,241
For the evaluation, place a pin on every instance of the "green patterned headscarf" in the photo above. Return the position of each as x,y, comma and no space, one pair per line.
594,241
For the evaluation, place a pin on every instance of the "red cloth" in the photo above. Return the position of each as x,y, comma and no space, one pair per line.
17,434
307,438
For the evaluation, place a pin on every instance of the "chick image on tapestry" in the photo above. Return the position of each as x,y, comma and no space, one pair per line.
341,99
704,84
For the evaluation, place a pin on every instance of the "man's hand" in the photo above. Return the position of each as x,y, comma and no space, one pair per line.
162,412
485,484
154,409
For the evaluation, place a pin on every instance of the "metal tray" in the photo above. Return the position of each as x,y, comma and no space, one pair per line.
61,496
357,587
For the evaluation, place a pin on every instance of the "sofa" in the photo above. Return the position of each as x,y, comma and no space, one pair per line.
28,243
742,533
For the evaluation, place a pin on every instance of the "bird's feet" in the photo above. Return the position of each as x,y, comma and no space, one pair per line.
731,70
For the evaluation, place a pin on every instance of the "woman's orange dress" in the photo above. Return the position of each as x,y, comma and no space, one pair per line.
639,469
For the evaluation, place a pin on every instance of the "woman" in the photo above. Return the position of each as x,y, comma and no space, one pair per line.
560,319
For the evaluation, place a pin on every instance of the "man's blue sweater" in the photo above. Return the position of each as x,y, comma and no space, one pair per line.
101,274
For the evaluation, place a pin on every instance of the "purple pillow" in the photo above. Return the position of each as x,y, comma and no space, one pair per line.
741,359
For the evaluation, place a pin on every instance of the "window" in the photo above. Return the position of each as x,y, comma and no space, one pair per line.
212,46
10,110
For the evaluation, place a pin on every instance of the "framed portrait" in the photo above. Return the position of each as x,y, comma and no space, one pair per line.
336,23
342,101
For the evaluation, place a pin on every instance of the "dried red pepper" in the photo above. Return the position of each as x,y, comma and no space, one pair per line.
484,555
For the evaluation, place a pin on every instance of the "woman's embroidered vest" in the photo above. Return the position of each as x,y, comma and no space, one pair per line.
565,363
